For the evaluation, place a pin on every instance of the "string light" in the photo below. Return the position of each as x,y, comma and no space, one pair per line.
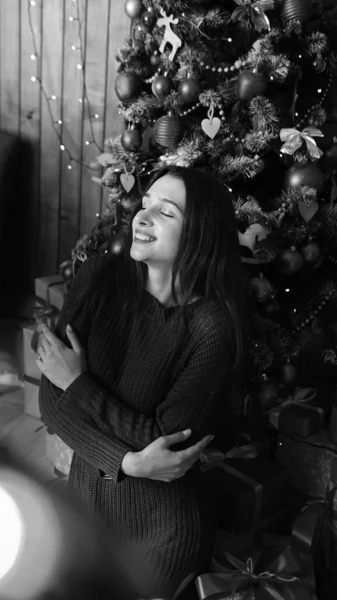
35,57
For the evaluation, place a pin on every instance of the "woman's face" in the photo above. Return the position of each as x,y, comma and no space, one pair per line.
161,220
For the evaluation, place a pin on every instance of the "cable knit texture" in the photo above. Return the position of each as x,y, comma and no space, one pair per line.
153,378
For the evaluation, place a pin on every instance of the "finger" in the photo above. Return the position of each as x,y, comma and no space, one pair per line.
175,438
45,344
51,337
73,338
197,448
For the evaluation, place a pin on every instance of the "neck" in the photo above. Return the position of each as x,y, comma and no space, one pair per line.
158,283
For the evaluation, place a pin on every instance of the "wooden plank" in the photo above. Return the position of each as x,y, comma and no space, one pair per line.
97,37
30,121
9,65
51,112
72,133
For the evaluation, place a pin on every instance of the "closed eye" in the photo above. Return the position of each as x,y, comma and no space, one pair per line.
162,212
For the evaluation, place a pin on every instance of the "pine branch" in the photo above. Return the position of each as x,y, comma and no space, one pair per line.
234,167
263,115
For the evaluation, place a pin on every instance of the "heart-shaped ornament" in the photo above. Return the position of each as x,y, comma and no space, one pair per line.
211,126
128,181
308,211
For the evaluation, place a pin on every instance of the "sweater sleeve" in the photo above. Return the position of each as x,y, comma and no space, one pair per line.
189,404
100,449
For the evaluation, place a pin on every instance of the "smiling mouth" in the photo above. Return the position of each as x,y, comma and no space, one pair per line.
143,239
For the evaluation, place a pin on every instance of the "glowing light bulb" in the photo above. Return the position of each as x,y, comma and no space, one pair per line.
295,310
32,2
87,143
229,40
300,56
53,97
33,78
73,47
79,67
80,99
69,167
33,57
97,215
71,19
11,532
287,289
62,147
319,91
59,122
96,116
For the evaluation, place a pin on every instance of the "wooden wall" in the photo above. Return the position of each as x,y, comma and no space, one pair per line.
62,202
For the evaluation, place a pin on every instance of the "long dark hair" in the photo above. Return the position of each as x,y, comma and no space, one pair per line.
208,261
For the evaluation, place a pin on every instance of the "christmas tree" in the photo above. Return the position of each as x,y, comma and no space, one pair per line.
241,88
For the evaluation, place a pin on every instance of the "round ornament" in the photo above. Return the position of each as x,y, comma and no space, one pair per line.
271,308
298,10
288,373
161,86
149,19
311,252
328,161
189,90
66,270
307,174
131,140
267,393
250,84
167,131
133,8
127,85
291,261
155,58
319,64
262,288
116,244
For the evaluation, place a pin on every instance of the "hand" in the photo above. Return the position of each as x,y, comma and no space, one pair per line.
160,463
60,364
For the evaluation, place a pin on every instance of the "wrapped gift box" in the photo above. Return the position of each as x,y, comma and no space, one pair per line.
59,454
31,397
245,491
51,289
308,461
302,414
29,355
276,569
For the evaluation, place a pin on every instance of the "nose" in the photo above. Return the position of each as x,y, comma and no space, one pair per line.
144,217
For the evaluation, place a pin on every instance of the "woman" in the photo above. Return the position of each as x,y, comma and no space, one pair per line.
160,331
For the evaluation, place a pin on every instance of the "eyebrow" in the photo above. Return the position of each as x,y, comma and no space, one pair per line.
147,195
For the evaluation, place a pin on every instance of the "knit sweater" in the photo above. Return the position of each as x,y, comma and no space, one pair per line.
153,379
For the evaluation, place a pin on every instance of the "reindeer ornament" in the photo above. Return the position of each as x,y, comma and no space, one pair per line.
169,35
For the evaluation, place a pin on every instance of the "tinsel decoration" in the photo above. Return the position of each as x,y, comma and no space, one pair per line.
167,131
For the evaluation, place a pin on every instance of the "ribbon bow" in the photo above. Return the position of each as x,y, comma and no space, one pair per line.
275,582
255,11
301,396
294,139
211,457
